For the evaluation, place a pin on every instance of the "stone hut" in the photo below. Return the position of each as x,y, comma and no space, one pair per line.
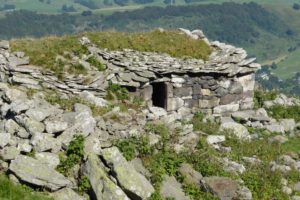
222,84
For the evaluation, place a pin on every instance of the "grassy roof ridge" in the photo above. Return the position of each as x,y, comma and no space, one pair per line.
43,51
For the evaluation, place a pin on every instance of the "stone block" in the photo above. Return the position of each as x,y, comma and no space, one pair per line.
203,103
230,98
205,92
174,104
191,103
224,109
196,89
182,92
147,92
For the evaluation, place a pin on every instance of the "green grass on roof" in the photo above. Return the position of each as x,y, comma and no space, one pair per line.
43,52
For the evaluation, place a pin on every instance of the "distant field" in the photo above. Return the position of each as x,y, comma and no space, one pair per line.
289,66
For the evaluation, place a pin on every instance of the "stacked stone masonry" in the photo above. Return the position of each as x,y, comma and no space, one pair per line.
222,84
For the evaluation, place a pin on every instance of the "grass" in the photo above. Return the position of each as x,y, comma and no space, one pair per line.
11,191
43,52
285,112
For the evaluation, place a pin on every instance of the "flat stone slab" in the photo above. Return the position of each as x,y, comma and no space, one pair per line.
34,172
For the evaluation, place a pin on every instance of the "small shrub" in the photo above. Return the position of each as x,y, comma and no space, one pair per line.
128,148
207,127
119,92
74,155
94,62
285,112
84,185
260,96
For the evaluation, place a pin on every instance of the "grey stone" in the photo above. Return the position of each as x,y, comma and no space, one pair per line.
90,97
223,109
66,194
174,104
9,153
32,171
12,95
11,126
55,125
275,128
190,175
24,146
45,142
278,138
20,106
288,124
38,114
139,167
237,129
215,139
224,188
170,188
32,126
296,187
51,159
103,186
129,179
4,139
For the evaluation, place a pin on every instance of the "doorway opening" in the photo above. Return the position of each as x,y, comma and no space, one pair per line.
159,95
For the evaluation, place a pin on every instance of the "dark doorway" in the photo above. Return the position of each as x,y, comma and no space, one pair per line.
159,95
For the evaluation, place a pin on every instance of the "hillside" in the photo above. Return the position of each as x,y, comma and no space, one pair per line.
83,136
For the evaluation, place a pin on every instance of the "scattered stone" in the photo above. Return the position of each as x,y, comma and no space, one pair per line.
4,139
32,171
278,138
171,189
223,187
9,153
129,179
66,194
51,159
215,139
190,175
103,186
237,129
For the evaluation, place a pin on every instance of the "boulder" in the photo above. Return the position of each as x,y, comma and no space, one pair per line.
275,128
224,109
90,97
45,142
51,159
288,124
134,183
171,189
215,139
66,194
224,188
32,171
190,175
4,139
9,153
12,95
32,126
55,125
103,187
238,130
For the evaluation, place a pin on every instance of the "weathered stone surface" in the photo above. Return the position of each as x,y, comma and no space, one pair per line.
32,126
9,153
55,125
215,139
66,194
174,104
172,189
224,188
129,179
45,142
103,187
223,109
4,139
275,128
190,175
32,171
12,95
51,159
237,129
288,124
211,103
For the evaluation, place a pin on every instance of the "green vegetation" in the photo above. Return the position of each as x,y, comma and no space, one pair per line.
171,42
285,112
116,92
208,127
84,185
44,52
11,191
260,96
74,155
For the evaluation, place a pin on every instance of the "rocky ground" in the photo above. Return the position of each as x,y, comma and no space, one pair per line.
87,147
143,153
